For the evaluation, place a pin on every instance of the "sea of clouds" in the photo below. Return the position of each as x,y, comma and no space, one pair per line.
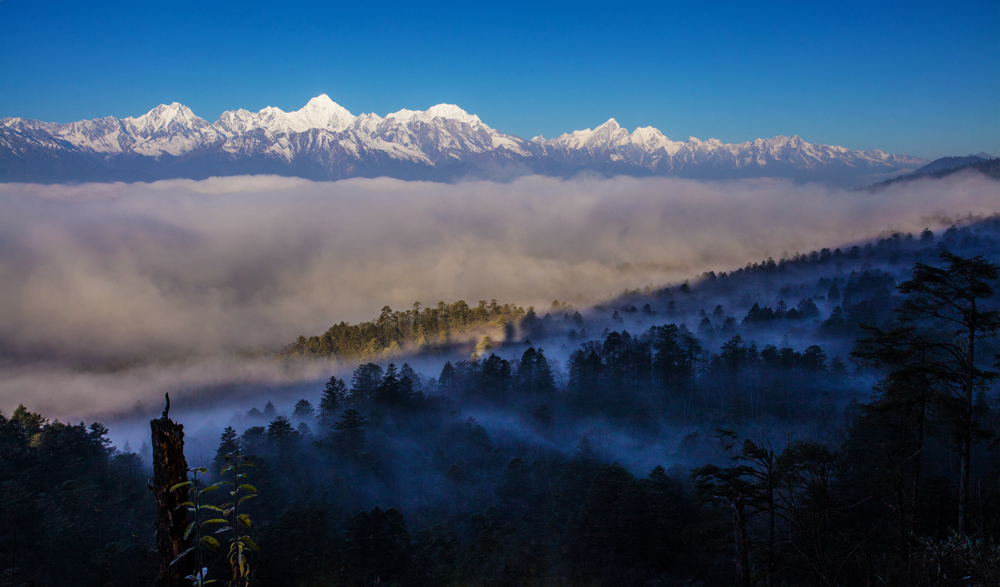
199,273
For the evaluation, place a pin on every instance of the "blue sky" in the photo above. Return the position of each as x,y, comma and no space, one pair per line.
915,78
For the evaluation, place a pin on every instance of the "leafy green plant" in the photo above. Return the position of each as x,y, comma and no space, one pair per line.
228,516
195,507
236,522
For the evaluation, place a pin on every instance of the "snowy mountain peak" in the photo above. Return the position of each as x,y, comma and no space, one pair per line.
165,118
785,141
166,113
324,140
366,123
453,112
571,140
321,102
446,111
647,133
322,112
651,139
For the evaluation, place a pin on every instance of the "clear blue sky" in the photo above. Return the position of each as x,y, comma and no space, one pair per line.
904,77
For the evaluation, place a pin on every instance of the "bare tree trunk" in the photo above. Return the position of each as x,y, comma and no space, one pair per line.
921,416
966,456
963,481
169,469
771,566
742,555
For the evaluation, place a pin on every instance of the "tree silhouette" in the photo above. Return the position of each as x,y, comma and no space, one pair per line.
945,302
334,396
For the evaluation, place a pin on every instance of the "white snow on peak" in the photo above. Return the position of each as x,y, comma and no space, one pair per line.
171,117
605,136
645,134
320,112
447,111
327,132
572,140
167,129
651,139
367,123
608,136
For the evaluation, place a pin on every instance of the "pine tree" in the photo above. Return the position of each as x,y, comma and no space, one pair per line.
365,382
495,378
946,301
675,353
447,380
407,371
334,397
229,441
252,440
534,374
303,410
29,421
349,435
280,433
388,390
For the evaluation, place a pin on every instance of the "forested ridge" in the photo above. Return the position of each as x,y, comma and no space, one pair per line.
825,419
430,329
842,279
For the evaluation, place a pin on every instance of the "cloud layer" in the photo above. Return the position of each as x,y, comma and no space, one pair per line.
96,272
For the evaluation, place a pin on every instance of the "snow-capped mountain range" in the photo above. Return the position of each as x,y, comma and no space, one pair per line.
325,141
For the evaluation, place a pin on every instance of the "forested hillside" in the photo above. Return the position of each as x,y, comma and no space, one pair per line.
430,329
829,418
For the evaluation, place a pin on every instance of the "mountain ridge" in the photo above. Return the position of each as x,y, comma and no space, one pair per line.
982,163
325,141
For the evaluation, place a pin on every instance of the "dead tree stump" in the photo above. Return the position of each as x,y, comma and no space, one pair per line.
169,469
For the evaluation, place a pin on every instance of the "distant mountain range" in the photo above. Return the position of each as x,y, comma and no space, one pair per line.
323,141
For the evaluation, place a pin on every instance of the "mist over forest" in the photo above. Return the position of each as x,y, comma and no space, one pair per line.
583,382
201,276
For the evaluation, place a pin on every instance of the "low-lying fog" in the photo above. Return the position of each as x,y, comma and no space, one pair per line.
204,273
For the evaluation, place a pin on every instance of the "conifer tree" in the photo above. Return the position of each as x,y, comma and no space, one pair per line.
229,441
303,410
946,301
349,432
333,399
388,392
365,382
407,371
